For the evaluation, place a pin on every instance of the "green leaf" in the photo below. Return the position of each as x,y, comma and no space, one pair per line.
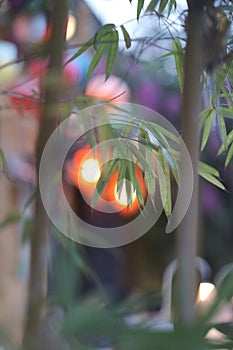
229,155
126,37
204,115
226,144
164,182
10,218
106,173
223,130
152,5
30,199
86,46
3,165
207,128
134,180
139,7
225,112
141,159
162,5
97,56
149,180
172,4
92,41
112,52
210,174
208,169
179,61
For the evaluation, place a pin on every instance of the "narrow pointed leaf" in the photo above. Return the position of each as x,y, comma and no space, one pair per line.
229,155
164,183
135,183
207,128
210,178
139,7
225,112
86,46
127,38
97,56
4,166
112,52
172,4
152,5
179,62
208,169
229,140
204,116
162,5
10,218
106,174
30,199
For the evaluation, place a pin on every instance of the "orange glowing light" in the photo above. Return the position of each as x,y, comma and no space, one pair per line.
111,90
84,171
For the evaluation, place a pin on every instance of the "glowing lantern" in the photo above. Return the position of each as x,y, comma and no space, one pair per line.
8,54
111,90
84,171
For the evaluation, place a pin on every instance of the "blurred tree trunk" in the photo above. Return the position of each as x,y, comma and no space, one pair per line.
39,241
191,105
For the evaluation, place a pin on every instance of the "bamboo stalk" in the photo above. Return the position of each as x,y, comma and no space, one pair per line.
39,242
187,235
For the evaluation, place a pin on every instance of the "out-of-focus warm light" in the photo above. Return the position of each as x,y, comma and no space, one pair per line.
205,291
122,197
112,90
8,54
71,27
90,170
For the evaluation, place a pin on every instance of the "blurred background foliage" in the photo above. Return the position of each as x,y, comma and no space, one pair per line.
92,289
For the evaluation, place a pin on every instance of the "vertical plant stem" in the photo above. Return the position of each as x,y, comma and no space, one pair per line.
191,105
39,241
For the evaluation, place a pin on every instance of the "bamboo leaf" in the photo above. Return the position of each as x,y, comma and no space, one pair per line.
86,46
112,52
30,199
208,169
127,38
164,183
3,165
172,4
106,173
210,174
135,183
225,112
97,56
227,143
162,5
179,62
149,180
229,155
10,218
141,159
207,128
223,131
139,8
152,5
204,116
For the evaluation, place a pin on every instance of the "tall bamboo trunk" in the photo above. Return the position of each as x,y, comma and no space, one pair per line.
187,235
39,241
